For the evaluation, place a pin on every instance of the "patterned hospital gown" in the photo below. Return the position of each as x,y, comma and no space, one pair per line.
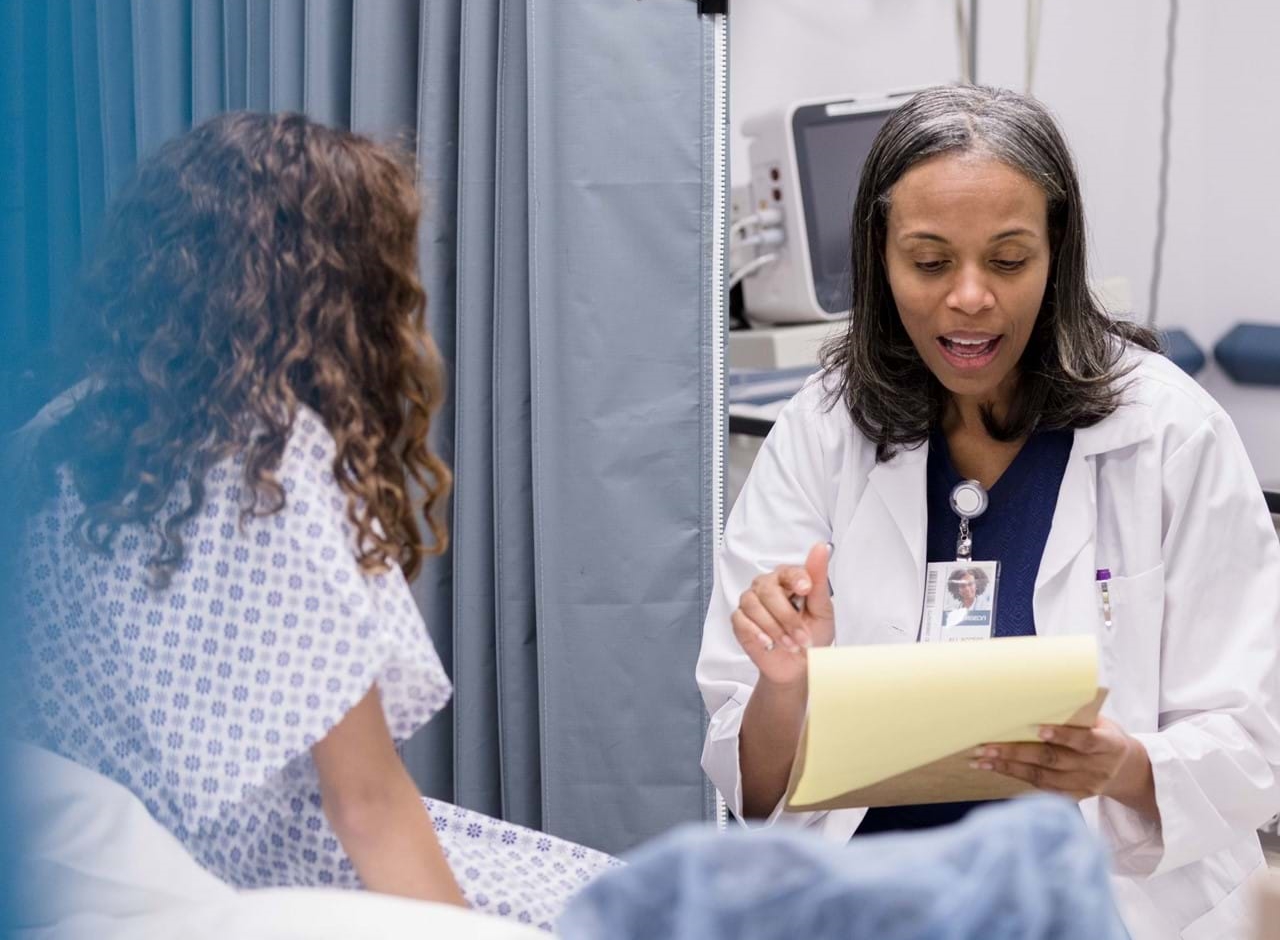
204,698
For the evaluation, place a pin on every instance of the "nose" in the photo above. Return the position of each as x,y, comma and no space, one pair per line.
970,294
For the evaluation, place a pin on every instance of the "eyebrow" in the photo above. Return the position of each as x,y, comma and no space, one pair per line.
1001,236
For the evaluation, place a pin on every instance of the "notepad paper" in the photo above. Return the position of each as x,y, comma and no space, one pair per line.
896,724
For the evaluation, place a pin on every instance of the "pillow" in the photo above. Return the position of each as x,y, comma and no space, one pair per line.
92,847
98,867
296,914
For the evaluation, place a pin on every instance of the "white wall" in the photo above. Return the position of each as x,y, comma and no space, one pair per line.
782,51
1100,69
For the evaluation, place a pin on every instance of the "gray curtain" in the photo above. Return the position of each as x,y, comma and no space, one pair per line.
565,249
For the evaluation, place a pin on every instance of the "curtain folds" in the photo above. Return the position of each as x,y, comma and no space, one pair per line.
619,236
565,241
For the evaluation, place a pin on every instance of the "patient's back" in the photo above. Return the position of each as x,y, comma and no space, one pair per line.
204,697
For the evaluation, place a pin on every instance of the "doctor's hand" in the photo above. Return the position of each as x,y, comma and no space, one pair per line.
1080,763
784,613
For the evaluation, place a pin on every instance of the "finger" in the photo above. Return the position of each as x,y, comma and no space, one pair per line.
816,564
1042,778
769,630
1039,777
776,599
794,579
750,637
760,615
1080,740
1040,754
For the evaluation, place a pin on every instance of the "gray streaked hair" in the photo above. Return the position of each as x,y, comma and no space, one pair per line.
1071,368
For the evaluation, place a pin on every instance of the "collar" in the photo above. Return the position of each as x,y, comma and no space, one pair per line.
1129,424
899,483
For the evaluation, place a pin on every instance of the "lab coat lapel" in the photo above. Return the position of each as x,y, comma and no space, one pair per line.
898,553
1064,590
879,554
899,484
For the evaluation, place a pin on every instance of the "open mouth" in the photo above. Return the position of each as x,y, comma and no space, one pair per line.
969,352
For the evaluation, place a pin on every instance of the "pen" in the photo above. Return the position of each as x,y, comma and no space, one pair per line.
1104,588
831,552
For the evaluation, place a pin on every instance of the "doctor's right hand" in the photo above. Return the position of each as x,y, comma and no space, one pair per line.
783,614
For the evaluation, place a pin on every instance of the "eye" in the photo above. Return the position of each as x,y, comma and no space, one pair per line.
930,267
1009,265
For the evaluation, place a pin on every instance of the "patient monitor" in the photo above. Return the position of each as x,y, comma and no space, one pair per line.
806,160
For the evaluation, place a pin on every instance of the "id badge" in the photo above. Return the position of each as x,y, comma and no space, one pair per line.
959,601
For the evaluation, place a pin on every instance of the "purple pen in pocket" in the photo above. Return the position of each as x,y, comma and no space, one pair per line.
1103,578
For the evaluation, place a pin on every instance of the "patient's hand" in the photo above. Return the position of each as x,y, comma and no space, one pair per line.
783,614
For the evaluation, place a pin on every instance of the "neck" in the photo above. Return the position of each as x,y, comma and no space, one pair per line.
963,417
963,414
974,453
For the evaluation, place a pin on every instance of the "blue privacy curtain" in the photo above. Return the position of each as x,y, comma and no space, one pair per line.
566,174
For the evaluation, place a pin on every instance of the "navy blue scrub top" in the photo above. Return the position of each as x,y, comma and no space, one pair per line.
1013,531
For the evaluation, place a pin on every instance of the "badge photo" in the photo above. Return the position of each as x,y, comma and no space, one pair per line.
960,600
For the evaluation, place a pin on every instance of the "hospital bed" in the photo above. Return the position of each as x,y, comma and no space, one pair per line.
100,868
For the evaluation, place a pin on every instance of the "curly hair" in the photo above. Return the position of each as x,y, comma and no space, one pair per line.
980,581
258,263
1072,368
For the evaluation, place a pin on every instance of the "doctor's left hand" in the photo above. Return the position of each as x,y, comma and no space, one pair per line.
1078,762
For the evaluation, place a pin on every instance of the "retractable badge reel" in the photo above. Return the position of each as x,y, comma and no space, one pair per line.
960,595
968,501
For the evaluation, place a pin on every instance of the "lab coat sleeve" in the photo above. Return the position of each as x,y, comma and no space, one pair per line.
1216,755
780,514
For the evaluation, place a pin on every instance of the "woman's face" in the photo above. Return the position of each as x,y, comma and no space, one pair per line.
968,590
967,256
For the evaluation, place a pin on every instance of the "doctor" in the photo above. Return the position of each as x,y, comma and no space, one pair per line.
977,352
968,589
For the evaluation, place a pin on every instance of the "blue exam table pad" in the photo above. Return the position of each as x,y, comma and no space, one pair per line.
1183,350
1250,354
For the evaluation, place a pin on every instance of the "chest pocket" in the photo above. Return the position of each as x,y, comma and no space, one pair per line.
1131,645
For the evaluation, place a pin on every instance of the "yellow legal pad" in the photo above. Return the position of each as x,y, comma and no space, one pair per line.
897,724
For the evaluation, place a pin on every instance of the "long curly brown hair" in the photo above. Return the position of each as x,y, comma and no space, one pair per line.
258,263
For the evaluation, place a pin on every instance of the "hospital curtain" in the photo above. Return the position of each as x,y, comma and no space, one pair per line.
565,248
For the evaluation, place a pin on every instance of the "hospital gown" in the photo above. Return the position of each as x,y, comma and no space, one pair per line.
204,698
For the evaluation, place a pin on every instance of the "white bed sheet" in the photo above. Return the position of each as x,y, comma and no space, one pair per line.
98,866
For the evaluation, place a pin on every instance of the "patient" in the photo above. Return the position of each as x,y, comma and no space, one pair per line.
215,575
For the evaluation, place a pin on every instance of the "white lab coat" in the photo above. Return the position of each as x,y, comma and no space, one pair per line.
1162,494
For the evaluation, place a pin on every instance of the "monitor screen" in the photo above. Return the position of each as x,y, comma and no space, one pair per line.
831,147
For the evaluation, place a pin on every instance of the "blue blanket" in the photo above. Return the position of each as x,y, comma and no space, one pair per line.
1024,869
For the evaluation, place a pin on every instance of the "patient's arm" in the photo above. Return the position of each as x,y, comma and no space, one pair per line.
376,811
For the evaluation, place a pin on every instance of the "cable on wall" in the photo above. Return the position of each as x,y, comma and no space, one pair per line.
1034,10
966,39
1166,127
973,41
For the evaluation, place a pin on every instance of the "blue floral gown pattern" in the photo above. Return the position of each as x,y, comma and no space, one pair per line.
204,698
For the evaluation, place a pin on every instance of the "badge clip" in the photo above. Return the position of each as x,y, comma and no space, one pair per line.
968,501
